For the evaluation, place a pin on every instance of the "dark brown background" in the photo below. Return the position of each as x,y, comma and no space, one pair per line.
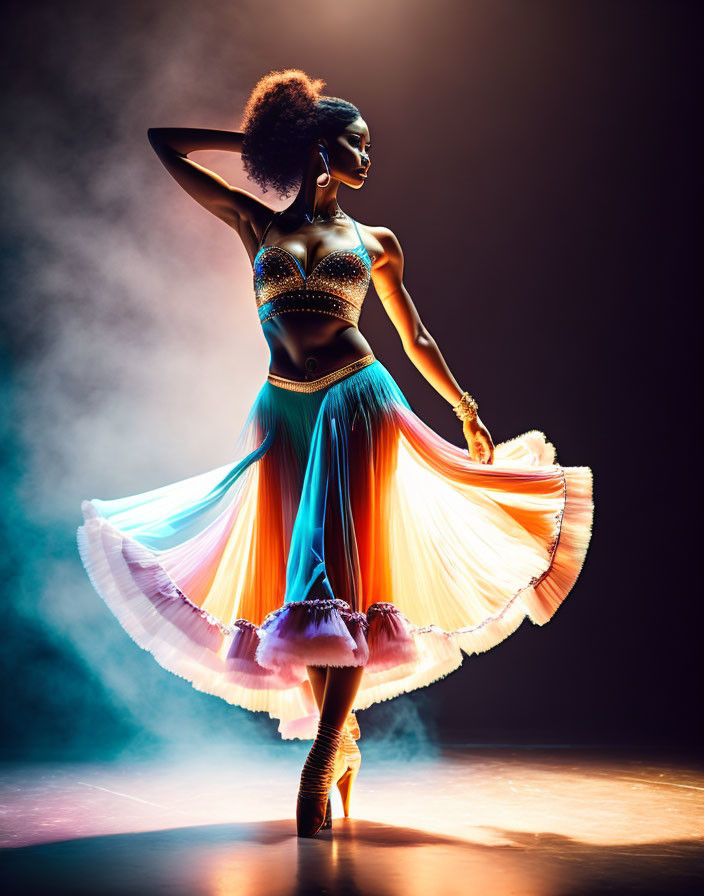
537,162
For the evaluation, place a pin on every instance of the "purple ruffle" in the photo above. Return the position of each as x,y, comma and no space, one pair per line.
243,667
323,632
390,638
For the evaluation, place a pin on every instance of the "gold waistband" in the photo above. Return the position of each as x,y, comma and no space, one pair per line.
322,381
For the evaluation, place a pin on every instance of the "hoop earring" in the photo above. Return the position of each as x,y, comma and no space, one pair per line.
326,161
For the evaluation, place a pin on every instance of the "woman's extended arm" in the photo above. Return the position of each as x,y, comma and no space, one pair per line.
418,344
238,208
185,140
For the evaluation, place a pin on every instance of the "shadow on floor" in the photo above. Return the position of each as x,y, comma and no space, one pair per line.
356,857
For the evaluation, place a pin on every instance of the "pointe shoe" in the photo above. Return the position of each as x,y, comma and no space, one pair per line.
347,761
313,800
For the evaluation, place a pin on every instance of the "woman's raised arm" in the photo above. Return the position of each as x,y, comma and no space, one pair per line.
240,209
419,345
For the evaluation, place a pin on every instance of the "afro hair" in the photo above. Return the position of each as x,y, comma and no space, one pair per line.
284,114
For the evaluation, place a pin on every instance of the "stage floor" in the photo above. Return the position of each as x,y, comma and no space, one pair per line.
473,820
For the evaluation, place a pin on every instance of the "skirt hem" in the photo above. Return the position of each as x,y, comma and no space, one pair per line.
447,540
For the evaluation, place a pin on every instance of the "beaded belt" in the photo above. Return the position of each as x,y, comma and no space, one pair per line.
322,381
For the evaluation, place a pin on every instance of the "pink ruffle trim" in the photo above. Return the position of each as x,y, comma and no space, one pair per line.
241,660
263,668
313,633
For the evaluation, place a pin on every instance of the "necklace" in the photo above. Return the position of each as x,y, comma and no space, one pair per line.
321,217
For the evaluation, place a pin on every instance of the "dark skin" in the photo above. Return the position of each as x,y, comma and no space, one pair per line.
306,345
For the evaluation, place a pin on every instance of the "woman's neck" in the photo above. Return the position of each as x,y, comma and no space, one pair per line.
316,208
312,201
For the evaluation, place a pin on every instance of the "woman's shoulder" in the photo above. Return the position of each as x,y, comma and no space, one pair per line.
381,242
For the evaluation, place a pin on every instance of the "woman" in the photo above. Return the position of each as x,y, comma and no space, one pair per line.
346,553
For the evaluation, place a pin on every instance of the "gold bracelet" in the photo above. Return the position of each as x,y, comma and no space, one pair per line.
466,408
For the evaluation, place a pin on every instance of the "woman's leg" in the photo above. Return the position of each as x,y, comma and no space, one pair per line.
340,690
318,676
334,689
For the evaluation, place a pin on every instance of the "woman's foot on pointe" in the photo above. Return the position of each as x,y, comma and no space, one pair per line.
347,761
316,780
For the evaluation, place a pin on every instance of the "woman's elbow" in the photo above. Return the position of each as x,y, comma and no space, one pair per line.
422,335
153,138
419,338
156,138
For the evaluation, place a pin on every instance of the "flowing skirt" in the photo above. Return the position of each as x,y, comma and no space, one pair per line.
344,531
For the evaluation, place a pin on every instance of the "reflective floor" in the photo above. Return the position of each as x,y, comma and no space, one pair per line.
468,821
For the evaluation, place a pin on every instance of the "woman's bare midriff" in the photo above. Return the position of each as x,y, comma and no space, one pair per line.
306,345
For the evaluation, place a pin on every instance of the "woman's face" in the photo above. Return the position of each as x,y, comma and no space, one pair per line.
349,154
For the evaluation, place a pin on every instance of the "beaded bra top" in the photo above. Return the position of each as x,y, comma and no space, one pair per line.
336,286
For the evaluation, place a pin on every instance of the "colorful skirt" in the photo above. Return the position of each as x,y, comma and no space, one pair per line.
343,532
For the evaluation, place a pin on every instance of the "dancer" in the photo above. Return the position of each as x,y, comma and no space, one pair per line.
345,553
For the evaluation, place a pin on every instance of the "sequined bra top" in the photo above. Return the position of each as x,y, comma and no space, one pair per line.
336,286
